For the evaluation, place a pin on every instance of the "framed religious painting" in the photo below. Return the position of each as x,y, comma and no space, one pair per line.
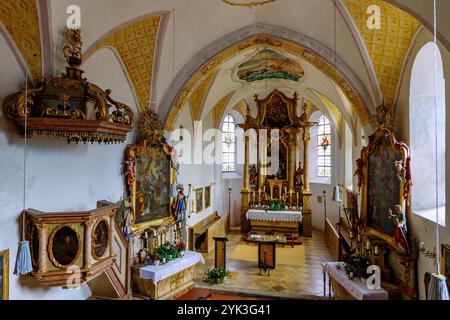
383,171
445,263
4,275
199,200
150,173
207,197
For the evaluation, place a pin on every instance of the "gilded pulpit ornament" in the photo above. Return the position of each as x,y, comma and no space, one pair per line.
69,106
247,3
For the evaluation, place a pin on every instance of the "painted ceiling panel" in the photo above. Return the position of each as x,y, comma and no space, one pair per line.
20,19
135,44
387,46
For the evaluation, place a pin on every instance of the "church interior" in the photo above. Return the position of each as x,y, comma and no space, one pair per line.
224,150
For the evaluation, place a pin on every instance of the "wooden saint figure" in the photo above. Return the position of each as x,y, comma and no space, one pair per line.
298,182
359,172
179,208
400,228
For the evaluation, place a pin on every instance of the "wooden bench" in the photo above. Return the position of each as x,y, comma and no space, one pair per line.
201,234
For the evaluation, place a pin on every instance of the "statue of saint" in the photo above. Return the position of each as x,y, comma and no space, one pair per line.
298,182
400,228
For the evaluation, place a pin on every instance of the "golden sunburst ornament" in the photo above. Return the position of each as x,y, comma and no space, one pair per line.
247,3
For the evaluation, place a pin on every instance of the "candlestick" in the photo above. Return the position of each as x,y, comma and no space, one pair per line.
376,250
254,198
297,200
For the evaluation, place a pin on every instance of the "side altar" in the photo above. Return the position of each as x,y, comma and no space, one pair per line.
160,282
280,175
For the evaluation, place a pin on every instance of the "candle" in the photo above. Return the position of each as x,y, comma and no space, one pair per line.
297,198
285,190
254,197
351,275
376,250
359,238
367,245
351,234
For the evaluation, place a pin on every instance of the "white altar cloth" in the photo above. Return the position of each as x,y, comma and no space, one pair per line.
163,271
275,216
355,287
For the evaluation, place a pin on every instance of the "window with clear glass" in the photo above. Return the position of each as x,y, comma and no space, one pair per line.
228,144
324,148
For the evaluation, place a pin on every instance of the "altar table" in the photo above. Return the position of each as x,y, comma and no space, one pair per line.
274,216
275,221
345,288
165,280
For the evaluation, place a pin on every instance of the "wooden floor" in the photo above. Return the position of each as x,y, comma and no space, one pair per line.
286,281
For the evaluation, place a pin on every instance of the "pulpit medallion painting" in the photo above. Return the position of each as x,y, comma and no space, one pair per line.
199,200
100,239
4,275
65,246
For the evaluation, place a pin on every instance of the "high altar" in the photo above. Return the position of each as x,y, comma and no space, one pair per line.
284,180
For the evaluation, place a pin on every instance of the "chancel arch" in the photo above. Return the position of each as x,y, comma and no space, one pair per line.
269,36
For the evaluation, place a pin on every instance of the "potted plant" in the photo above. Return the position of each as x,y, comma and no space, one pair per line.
216,275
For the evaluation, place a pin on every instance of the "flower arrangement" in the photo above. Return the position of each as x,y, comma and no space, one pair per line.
168,252
276,205
216,275
356,266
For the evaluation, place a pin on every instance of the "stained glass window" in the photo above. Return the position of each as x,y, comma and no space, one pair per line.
228,144
324,148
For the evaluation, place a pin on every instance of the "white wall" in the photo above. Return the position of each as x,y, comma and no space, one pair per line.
59,176
423,230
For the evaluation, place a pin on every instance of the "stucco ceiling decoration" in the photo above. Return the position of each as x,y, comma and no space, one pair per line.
219,108
135,44
387,46
274,43
198,96
20,19
247,3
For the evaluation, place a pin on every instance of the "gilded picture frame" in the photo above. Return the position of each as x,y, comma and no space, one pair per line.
445,262
199,200
55,243
159,165
207,197
382,151
4,275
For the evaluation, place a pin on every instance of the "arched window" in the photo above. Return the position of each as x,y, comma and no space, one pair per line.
427,134
228,144
324,147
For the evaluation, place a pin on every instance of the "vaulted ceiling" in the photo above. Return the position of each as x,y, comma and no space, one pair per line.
172,50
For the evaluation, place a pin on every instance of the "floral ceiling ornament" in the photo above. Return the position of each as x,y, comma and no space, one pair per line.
247,3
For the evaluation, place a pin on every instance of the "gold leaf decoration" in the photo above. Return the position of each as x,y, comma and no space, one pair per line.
135,43
20,19
388,45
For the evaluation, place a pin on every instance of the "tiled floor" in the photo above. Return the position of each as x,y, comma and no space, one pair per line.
303,282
